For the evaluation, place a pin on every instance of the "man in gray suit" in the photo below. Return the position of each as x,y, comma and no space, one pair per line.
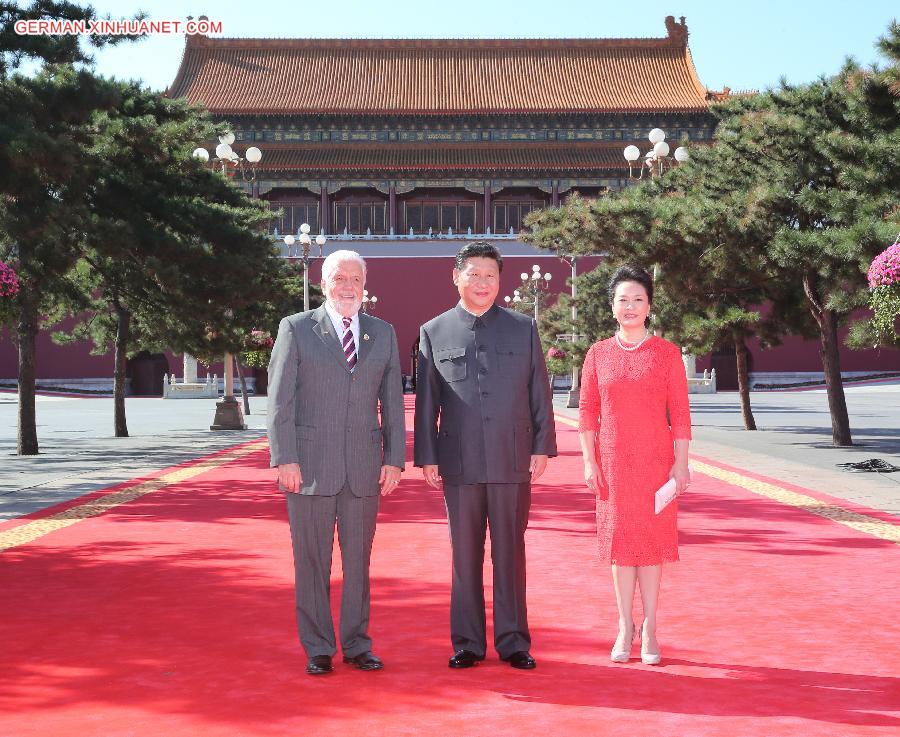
330,369
481,371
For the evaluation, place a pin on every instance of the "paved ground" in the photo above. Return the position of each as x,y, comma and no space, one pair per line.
79,453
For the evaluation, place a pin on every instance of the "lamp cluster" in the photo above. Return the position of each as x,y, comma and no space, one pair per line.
369,301
305,244
305,240
657,157
529,291
227,156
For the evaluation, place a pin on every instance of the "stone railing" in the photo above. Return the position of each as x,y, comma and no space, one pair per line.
703,384
191,389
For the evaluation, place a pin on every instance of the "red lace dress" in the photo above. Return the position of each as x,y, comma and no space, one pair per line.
625,398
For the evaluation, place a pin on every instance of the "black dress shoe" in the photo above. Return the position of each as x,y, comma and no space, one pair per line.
521,660
318,665
365,661
465,659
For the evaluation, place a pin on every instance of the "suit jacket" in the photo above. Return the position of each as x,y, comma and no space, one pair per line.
324,417
486,380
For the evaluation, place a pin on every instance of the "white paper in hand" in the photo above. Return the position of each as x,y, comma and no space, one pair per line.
666,492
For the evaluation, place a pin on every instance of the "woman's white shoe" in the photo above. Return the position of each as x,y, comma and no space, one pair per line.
647,657
621,651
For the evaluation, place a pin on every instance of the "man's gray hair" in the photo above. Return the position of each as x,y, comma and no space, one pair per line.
330,264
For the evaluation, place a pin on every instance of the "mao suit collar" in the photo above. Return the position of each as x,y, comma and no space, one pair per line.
469,320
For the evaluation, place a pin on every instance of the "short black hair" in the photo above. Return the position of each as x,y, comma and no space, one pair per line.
478,249
630,273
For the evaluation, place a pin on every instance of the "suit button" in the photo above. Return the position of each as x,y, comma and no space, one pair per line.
487,419
484,394
482,371
481,349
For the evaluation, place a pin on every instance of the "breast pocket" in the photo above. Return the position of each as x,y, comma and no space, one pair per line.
451,363
513,359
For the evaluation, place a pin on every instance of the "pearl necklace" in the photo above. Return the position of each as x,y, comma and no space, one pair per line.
636,345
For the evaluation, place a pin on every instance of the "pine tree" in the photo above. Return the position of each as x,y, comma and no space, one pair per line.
43,172
171,245
827,179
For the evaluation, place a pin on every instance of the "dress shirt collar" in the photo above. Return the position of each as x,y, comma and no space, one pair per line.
469,320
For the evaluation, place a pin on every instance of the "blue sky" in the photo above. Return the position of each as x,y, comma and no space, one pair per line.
741,45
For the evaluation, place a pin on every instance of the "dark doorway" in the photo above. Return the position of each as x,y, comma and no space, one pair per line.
725,364
147,372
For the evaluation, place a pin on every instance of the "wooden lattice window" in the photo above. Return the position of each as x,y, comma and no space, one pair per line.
294,215
511,215
439,216
358,218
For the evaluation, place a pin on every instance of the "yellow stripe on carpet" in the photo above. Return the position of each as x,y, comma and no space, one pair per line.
30,531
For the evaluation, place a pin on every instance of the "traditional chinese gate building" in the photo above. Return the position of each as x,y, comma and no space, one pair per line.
405,149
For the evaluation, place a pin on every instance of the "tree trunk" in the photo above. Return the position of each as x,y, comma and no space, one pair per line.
240,372
831,362
834,384
743,377
123,326
26,335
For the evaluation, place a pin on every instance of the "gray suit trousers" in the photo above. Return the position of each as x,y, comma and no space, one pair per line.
470,509
312,520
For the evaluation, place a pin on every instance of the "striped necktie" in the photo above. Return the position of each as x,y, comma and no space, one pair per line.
349,345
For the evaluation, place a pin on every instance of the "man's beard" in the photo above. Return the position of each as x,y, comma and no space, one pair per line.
353,306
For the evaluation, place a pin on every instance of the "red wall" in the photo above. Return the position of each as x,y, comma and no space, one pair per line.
54,361
796,354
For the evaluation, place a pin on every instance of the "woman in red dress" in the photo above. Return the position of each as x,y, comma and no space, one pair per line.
635,427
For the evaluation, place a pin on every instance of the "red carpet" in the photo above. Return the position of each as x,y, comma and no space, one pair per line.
172,615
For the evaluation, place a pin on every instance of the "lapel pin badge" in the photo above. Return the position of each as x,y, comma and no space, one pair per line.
365,336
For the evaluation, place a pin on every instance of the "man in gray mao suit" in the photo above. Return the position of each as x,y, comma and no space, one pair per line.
330,369
481,371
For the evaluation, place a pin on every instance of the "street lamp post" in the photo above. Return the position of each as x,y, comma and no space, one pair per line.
228,411
575,391
305,245
530,290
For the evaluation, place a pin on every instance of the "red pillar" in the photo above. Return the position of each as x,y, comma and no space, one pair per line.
487,209
324,219
392,208
554,194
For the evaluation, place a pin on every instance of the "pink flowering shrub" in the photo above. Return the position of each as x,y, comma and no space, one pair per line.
884,282
557,362
259,349
9,282
885,267
260,339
